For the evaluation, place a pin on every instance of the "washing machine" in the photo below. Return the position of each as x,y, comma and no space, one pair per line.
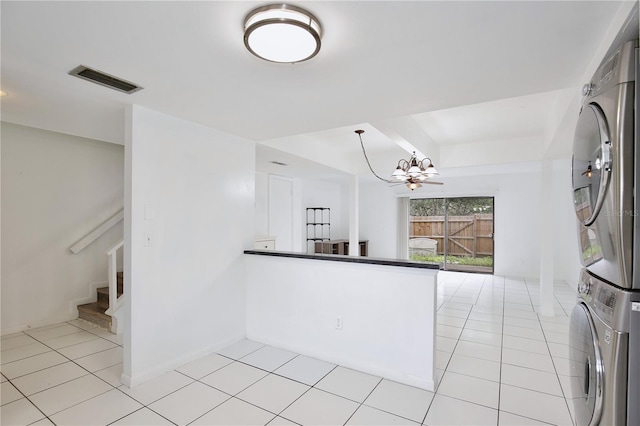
604,355
604,332
603,171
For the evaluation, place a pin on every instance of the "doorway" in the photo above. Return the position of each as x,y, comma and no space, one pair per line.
456,232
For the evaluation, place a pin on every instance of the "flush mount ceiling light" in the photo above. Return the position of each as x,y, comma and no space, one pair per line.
412,172
282,33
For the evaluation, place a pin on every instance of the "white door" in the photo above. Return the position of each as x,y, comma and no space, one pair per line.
281,212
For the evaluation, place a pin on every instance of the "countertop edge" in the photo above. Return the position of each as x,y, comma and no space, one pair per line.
347,259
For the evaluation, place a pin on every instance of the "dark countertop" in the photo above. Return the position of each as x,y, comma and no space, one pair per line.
348,259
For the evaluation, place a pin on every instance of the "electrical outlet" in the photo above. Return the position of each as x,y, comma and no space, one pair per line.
339,323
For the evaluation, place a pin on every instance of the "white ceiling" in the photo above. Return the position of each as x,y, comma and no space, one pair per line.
423,75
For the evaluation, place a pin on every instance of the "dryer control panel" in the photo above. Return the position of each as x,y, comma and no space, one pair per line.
605,302
611,304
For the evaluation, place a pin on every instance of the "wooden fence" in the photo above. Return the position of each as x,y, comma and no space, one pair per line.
470,235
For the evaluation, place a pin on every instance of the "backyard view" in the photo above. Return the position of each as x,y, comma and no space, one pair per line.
457,232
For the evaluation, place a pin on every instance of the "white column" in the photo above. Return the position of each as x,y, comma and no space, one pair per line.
126,256
354,217
546,239
403,228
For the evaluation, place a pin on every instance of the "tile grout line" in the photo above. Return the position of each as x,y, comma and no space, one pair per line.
43,342
360,404
27,398
139,409
435,391
68,381
504,297
459,287
546,341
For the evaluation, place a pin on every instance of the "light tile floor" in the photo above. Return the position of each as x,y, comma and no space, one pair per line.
500,363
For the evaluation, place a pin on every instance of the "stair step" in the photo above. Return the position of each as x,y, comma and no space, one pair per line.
94,313
103,297
104,292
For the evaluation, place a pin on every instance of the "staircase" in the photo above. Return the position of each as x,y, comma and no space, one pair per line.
95,312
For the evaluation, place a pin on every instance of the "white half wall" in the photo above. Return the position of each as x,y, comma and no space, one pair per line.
190,189
386,314
56,188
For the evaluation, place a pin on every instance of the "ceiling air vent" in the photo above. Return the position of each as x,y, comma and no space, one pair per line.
104,79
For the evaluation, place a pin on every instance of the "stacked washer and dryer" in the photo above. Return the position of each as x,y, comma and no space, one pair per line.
605,323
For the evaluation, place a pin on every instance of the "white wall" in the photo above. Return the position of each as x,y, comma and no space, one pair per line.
516,219
387,314
281,212
327,193
56,188
191,188
262,204
379,219
566,244
516,189
271,209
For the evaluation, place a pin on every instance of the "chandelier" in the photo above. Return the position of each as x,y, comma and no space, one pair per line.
412,172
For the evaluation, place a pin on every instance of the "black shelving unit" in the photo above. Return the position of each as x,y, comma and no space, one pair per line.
318,228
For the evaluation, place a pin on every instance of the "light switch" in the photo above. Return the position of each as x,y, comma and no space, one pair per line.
148,213
147,239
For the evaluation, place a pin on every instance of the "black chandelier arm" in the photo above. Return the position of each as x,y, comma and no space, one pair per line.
424,160
367,159
404,164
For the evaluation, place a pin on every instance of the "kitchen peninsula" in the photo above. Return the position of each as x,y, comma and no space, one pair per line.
374,315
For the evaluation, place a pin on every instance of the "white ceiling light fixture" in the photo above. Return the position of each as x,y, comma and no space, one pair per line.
412,172
282,33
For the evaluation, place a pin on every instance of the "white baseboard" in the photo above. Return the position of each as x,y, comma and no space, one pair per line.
361,364
143,376
43,323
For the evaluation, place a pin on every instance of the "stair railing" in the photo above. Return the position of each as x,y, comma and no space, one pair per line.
114,301
97,233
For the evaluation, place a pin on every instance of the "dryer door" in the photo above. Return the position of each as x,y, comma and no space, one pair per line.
586,367
591,167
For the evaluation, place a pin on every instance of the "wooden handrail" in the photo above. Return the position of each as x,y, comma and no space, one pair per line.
97,233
